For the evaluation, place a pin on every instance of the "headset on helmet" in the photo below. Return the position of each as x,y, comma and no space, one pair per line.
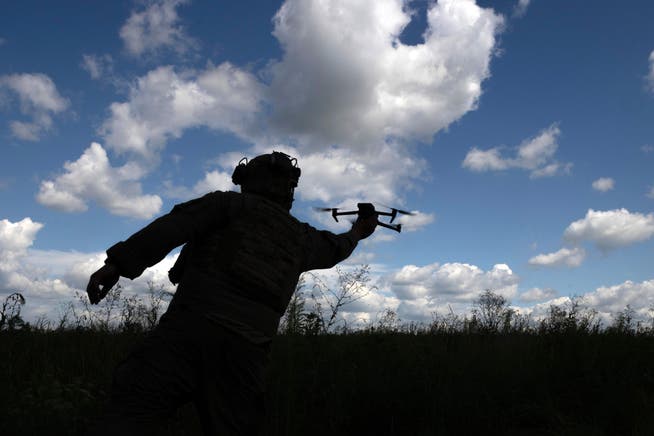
279,163
239,174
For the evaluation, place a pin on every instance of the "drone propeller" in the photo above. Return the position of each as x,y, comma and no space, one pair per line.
394,212
403,212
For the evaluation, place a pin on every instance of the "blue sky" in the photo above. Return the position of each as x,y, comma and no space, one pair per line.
520,131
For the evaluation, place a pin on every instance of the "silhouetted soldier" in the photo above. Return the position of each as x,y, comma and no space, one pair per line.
242,260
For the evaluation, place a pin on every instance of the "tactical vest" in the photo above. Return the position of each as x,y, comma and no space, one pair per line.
261,250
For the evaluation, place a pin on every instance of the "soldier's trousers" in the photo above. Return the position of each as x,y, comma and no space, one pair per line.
188,359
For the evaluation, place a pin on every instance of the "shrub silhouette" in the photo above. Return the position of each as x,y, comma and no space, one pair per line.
570,318
10,318
491,313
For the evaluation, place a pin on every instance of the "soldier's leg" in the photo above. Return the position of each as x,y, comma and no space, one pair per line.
230,395
157,378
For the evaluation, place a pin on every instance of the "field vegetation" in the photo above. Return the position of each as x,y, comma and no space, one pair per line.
492,370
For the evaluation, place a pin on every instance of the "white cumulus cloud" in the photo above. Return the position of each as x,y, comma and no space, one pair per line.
345,77
451,282
416,221
604,184
15,239
572,257
347,177
607,301
611,229
213,181
16,273
612,299
534,154
38,100
92,177
156,28
164,103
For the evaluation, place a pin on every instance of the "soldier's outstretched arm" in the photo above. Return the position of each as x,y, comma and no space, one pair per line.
327,249
151,244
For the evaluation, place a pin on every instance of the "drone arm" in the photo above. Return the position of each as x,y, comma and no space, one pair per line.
396,227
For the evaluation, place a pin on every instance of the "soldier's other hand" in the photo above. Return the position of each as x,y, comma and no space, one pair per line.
101,282
364,227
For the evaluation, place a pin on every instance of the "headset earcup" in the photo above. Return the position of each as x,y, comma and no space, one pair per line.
239,174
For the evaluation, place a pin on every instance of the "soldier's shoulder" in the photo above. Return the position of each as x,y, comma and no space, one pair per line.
223,195
226,193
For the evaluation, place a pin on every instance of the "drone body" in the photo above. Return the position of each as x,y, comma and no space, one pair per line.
366,210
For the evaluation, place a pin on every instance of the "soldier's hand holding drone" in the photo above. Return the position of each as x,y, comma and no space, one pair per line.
364,227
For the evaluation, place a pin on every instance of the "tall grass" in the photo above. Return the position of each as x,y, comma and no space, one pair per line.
390,383
493,372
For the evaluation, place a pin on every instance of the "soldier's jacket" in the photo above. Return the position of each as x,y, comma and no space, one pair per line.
241,262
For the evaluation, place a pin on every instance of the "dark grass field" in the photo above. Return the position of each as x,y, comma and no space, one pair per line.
55,383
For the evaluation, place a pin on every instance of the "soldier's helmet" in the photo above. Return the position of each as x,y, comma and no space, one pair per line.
273,176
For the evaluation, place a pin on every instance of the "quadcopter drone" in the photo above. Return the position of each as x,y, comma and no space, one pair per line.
366,210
